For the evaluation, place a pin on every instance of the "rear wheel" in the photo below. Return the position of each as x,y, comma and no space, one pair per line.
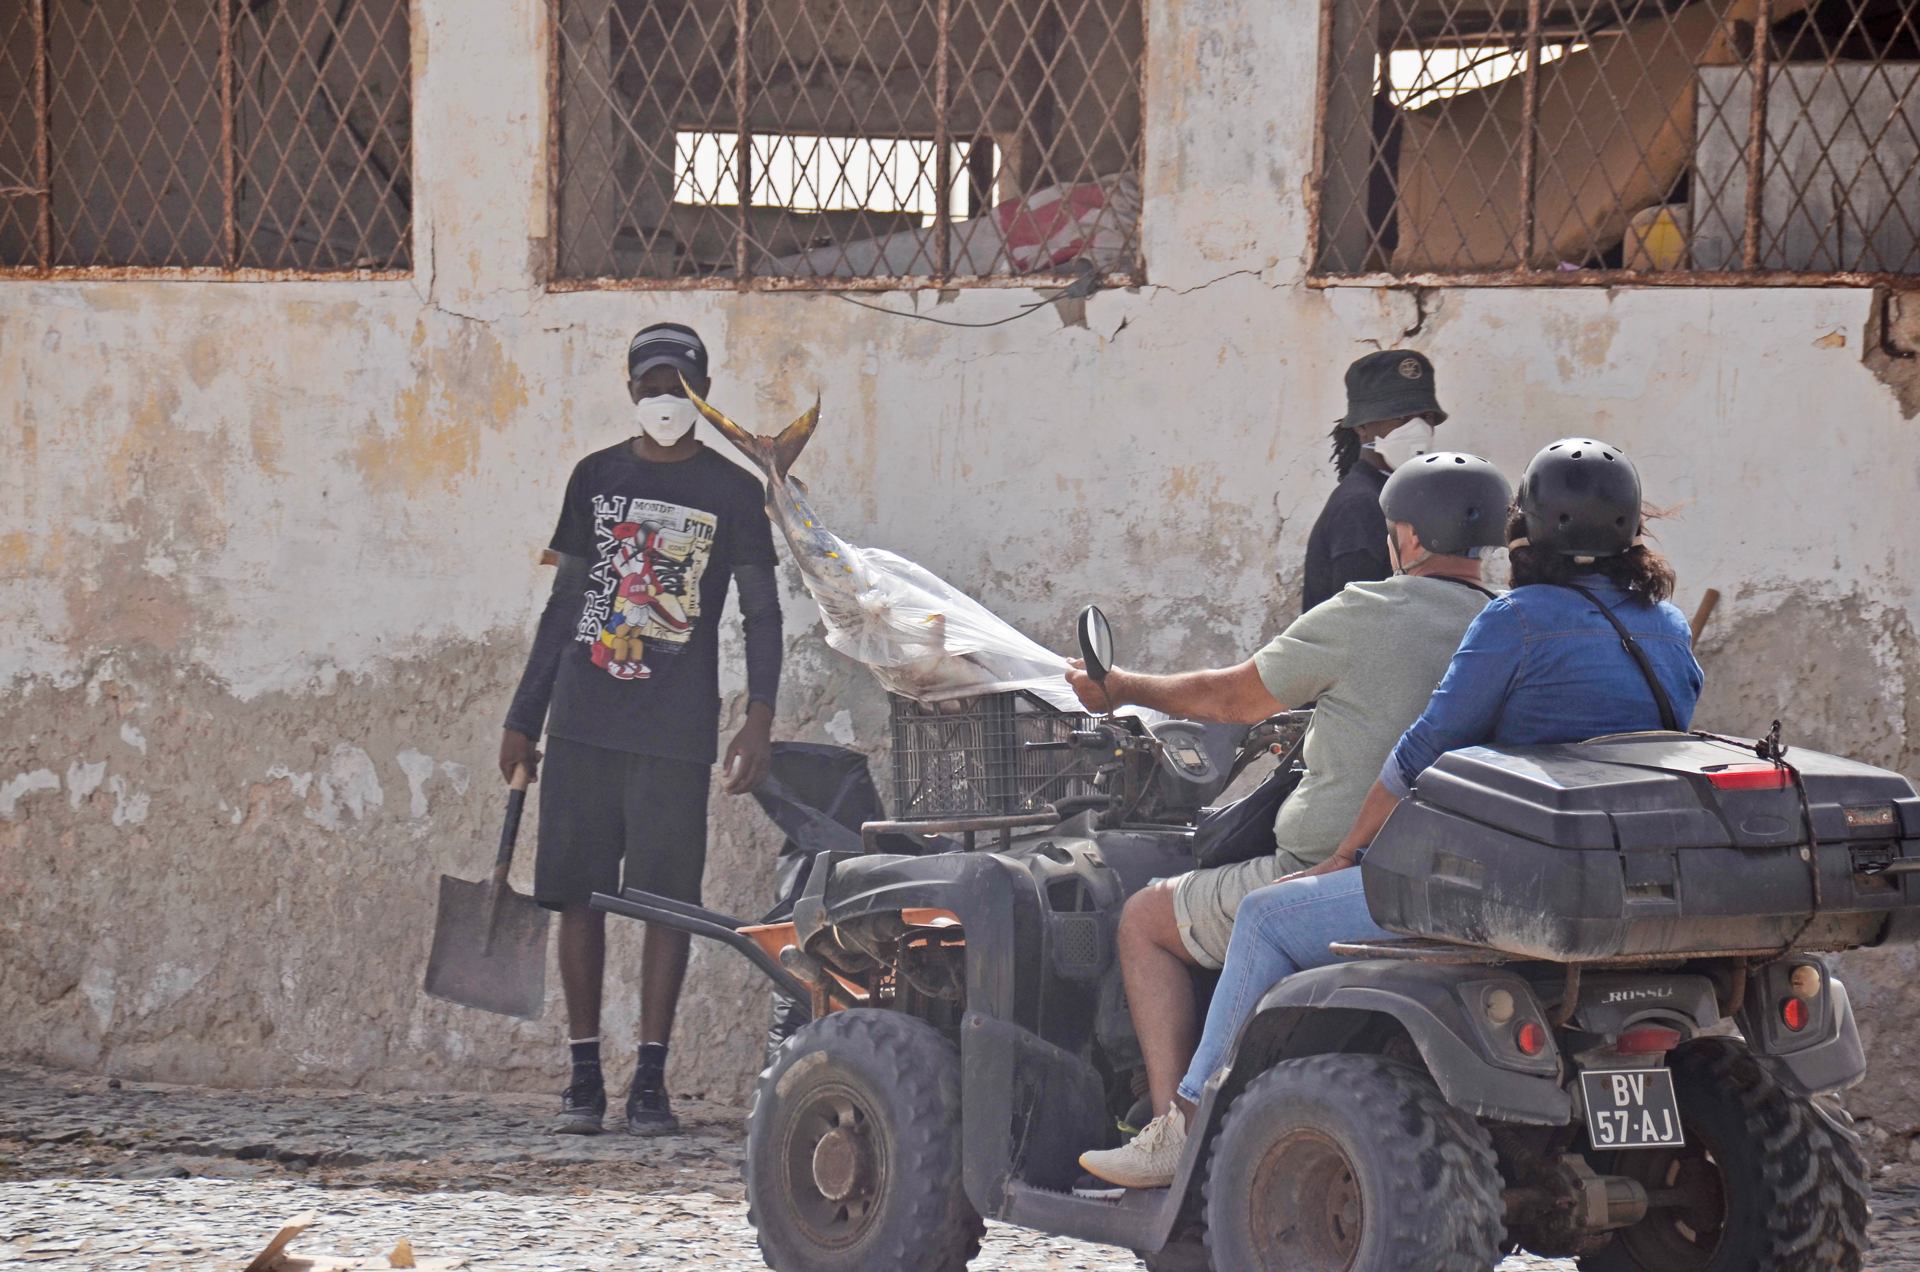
1336,1162
853,1150
1764,1181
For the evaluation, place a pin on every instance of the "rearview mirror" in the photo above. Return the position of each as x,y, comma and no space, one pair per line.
1096,643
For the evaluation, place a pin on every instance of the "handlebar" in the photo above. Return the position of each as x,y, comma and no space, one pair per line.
1099,738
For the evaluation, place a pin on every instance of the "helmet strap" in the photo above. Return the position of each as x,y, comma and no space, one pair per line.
1401,566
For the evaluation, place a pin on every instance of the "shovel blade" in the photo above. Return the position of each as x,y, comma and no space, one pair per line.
507,975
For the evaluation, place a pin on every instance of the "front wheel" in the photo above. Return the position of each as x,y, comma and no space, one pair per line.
1336,1162
1764,1182
853,1150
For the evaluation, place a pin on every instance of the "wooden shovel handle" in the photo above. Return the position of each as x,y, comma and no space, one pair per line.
1705,612
510,829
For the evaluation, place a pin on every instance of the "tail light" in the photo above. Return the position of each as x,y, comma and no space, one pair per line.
1794,1013
1647,1040
1531,1038
1748,777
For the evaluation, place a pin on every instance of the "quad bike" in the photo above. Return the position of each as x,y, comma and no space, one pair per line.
1610,1032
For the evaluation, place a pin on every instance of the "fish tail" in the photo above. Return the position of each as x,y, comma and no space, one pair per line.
755,448
794,438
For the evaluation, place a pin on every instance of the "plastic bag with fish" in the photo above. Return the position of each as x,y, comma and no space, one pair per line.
923,637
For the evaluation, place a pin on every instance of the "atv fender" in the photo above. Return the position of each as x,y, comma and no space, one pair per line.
1834,1063
1326,1009
987,893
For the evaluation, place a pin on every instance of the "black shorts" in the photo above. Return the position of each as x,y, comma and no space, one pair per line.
611,820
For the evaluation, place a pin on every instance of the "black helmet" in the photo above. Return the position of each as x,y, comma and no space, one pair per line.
1453,502
1581,498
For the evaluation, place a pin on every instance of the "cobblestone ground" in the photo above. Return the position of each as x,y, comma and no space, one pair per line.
97,1175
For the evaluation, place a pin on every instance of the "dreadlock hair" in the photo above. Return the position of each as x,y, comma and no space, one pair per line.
1640,570
1346,449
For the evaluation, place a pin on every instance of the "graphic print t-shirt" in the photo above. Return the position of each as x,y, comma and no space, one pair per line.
661,542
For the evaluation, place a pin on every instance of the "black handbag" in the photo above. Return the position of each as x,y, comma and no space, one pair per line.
1243,830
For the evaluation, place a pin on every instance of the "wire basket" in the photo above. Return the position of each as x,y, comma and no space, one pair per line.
971,758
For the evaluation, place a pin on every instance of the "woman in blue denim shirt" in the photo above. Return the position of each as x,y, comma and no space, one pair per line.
1541,664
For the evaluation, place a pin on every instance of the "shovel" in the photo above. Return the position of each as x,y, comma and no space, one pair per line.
490,942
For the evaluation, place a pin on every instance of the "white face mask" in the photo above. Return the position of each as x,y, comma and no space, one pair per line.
665,418
1400,447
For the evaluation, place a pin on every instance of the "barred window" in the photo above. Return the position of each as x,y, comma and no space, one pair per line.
1612,141
873,141
207,136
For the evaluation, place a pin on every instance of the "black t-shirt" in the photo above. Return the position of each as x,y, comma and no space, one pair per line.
1348,544
661,542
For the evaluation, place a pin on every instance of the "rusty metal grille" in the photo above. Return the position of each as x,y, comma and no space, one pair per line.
844,143
1618,141
242,137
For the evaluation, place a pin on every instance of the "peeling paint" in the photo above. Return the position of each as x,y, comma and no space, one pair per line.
21,785
463,387
83,780
350,784
418,767
130,804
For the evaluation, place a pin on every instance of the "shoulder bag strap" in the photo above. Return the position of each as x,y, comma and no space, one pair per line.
1487,592
1668,720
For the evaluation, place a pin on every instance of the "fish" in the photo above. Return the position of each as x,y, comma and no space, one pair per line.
922,637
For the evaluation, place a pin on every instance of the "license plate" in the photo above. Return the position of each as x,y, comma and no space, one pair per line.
1631,1108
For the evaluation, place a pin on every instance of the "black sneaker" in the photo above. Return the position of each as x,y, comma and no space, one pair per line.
649,1112
582,1106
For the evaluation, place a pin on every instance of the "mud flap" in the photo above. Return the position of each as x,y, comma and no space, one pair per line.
1030,1108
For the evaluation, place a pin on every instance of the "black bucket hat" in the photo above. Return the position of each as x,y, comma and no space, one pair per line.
1388,385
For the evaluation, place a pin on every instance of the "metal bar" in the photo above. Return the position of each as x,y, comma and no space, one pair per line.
43,142
887,283
1614,278
1322,87
640,905
229,226
942,160
870,832
195,274
1529,138
1757,130
742,159
556,37
1139,264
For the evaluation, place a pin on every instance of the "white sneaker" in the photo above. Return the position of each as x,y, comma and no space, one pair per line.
1148,1160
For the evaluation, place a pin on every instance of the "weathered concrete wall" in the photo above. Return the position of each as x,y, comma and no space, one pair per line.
267,554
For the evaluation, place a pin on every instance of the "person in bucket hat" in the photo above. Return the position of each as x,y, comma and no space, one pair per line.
1392,411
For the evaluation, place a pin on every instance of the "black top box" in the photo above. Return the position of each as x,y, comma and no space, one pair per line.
1648,844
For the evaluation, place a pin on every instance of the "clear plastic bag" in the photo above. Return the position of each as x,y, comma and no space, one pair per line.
923,637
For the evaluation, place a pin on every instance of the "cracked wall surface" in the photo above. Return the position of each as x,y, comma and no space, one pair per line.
268,552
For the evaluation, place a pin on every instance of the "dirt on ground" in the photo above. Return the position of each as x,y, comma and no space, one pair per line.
100,1174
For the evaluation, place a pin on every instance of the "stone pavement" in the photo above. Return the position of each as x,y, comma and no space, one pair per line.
102,1175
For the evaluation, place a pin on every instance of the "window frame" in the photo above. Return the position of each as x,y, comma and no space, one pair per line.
42,191
742,280
1759,67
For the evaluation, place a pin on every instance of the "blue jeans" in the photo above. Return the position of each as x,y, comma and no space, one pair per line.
1280,929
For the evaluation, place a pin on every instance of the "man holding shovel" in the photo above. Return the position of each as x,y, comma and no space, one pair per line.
627,653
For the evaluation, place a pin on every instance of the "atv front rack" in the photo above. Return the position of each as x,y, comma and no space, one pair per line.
649,907
967,827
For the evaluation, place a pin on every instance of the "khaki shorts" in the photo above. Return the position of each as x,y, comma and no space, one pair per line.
1205,901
